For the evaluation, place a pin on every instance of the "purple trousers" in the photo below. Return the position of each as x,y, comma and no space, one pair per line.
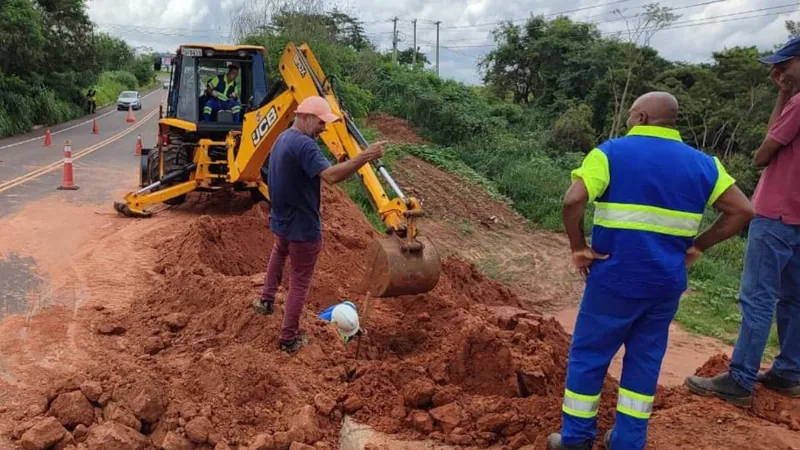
302,259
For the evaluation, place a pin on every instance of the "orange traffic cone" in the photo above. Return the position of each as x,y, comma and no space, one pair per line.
48,139
95,128
138,151
68,184
130,115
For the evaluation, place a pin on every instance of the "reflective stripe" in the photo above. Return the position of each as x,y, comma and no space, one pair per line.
656,131
582,406
635,405
646,218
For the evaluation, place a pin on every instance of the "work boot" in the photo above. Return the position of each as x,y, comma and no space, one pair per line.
779,384
264,307
722,386
554,443
299,342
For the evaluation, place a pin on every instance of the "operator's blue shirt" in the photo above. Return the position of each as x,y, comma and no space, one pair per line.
650,191
295,163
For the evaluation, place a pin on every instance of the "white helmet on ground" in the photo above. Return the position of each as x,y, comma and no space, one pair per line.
345,316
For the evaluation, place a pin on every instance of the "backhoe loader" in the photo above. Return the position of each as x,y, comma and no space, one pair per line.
199,155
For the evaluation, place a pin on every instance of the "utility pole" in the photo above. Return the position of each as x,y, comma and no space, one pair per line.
437,48
414,54
394,42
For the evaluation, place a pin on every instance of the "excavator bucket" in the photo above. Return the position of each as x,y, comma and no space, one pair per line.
397,270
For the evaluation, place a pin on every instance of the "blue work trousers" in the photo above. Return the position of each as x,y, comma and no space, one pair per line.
771,276
606,322
215,104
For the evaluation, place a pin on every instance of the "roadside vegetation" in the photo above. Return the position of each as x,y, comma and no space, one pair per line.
50,56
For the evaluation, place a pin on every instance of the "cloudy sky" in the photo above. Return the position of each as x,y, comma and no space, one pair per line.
465,34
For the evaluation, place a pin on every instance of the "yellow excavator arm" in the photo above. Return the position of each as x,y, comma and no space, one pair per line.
402,263
302,74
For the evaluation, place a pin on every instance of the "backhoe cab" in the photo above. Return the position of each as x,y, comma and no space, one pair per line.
221,153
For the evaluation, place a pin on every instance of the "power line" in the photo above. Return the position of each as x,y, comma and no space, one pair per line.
585,19
679,8
687,23
557,13
671,26
154,31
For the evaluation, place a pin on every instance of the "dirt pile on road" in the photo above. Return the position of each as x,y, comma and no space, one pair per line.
463,361
191,366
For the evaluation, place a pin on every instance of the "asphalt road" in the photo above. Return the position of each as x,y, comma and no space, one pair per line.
104,169
30,171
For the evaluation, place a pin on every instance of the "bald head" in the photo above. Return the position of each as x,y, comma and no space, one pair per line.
654,108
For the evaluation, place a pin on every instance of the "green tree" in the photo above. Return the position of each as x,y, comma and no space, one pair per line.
349,31
112,53
793,27
142,69
68,47
572,131
747,92
21,38
640,29
406,57
531,61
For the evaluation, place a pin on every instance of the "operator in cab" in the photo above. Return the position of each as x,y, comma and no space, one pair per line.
296,166
224,94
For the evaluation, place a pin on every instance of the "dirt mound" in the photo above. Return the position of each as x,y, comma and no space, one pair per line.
201,355
190,365
195,324
393,128
767,405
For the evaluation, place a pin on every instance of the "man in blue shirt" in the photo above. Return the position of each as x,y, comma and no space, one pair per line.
296,165
650,191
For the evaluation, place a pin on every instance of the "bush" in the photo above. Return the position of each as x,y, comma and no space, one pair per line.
23,106
536,186
354,99
142,70
572,131
744,172
111,84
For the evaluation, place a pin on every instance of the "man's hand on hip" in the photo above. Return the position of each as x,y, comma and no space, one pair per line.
692,255
583,259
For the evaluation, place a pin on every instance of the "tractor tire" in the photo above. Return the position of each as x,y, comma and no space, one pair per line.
152,166
176,155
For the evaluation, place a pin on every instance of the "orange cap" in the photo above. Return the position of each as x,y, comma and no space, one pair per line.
319,107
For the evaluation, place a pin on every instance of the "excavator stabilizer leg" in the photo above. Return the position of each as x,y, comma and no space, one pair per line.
136,202
398,271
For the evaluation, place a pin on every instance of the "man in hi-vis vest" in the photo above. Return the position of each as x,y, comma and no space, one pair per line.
650,191
223,93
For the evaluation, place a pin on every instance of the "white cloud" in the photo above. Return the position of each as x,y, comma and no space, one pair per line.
164,24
